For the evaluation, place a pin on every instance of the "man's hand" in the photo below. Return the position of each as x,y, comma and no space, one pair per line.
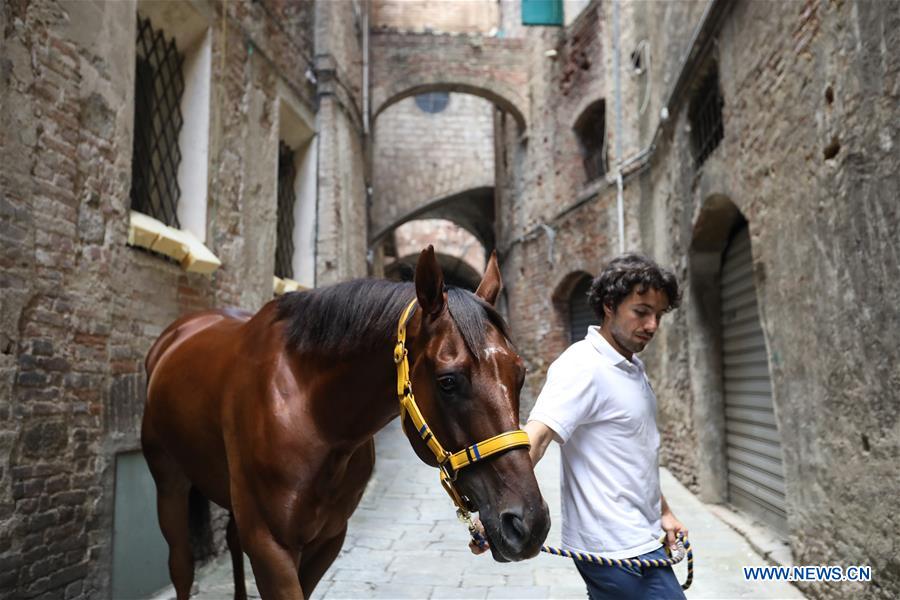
672,526
473,545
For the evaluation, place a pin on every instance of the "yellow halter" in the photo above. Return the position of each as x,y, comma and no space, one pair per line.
448,463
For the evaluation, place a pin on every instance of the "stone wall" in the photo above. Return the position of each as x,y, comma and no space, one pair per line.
343,171
80,308
808,159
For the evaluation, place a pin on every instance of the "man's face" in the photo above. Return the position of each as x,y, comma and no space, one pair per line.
635,320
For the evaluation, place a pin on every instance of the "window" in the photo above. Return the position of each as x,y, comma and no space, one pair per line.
706,117
590,129
542,12
295,191
433,102
284,245
159,86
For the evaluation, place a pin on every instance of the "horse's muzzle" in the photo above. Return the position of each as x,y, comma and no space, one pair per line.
521,532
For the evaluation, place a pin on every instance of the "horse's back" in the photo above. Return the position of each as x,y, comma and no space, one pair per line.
186,368
187,326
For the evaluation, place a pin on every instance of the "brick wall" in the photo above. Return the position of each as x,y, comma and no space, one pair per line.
420,157
463,16
79,307
807,157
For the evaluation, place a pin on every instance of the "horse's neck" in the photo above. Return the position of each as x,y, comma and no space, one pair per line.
357,396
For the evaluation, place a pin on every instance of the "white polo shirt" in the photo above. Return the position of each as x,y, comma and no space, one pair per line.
603,409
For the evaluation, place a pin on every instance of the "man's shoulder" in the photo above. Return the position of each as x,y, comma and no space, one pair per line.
579,354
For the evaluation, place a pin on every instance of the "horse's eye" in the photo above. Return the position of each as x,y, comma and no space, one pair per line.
447,383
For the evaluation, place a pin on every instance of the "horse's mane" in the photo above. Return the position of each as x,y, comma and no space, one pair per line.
361,316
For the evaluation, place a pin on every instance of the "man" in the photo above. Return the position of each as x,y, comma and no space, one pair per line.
598,404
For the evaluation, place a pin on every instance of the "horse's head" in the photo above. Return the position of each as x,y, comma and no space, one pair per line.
466,377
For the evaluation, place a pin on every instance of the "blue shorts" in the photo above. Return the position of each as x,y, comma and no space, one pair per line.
628,583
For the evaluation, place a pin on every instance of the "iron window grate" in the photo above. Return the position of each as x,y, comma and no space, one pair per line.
706,117
159,85
284,244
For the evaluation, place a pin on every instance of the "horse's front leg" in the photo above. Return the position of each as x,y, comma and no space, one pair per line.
274,565
316,558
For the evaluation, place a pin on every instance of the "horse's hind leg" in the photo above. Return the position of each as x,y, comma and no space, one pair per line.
172,505
237,559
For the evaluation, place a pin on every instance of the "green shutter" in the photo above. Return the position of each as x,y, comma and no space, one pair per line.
542,12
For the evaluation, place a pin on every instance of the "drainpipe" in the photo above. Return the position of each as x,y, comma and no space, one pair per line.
365,67
617,83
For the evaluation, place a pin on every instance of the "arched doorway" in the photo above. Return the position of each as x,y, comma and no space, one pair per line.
753,443
734,409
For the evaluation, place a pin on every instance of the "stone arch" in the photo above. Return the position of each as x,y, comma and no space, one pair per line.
460,254
439,84
473,210
406,64
457,272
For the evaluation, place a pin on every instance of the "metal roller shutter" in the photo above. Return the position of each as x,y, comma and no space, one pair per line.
581,315
755,475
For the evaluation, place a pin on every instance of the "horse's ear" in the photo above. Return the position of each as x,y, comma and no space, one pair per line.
429,283
491,284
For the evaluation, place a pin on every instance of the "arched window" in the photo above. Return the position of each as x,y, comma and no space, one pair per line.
581,315
590,129
433,102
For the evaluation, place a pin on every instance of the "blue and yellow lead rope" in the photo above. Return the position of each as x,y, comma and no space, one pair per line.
683,549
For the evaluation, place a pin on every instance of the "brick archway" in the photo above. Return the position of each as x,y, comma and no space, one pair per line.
473,210
406,64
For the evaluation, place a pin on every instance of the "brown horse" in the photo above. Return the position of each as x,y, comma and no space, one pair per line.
272,417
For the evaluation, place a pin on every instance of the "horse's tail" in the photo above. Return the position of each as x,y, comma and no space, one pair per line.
199,525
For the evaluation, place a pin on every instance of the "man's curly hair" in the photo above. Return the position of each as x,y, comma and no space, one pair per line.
624,274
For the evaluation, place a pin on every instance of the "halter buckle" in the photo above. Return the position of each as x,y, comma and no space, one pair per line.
448,471
399,353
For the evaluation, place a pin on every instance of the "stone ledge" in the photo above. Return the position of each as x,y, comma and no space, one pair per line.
283,285
183,246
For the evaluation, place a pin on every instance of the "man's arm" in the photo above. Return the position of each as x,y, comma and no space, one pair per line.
670,524
540,437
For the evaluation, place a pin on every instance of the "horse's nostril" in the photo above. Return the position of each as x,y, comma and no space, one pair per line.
514,529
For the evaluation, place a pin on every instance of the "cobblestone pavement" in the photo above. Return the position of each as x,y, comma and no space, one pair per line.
404,542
